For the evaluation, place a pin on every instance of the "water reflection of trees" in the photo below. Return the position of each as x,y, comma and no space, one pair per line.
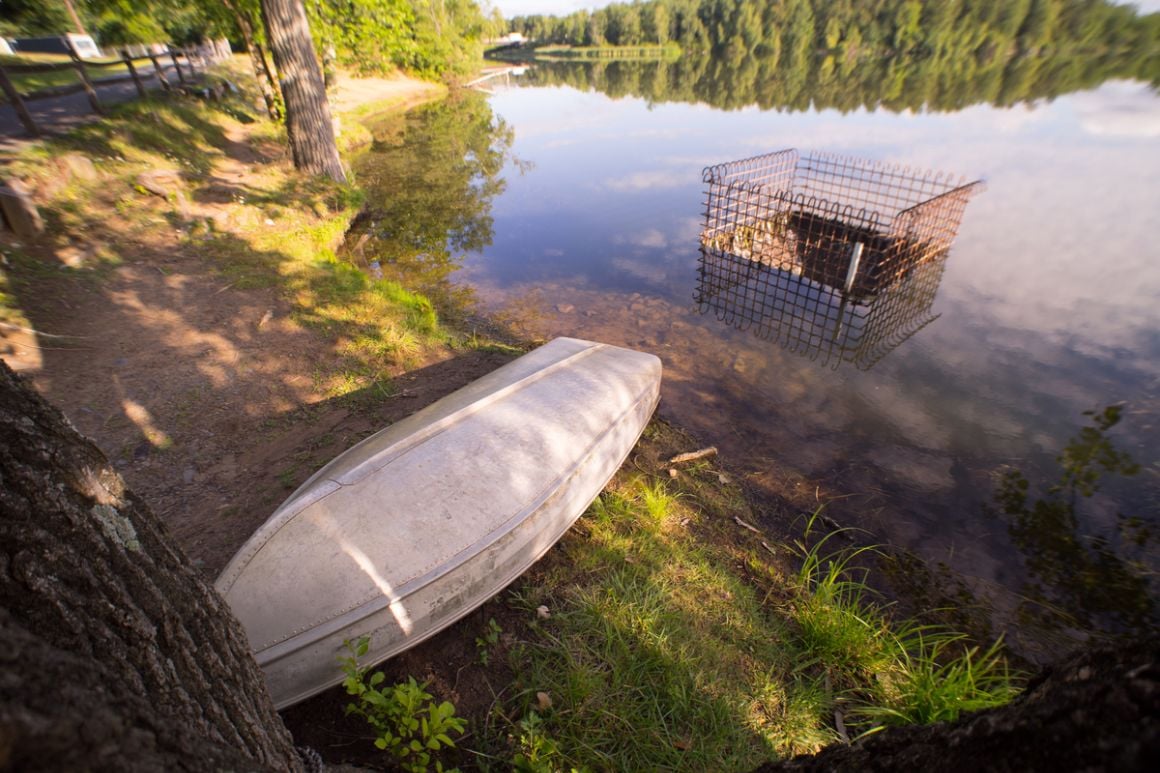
1082,578
824,82
431,176
842,54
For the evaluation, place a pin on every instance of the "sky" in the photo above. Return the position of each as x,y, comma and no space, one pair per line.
512,8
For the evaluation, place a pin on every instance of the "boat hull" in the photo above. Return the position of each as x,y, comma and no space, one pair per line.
419,524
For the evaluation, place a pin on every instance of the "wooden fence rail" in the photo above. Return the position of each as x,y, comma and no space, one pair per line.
206,54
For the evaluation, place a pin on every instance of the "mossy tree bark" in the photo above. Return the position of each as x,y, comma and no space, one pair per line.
114,653
308,120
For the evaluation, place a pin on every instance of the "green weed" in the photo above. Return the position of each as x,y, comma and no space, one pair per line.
896,672
408,723
488,641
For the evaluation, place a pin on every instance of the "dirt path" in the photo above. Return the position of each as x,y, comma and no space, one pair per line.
208,398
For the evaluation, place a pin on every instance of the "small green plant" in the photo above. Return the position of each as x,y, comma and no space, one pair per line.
487,642
537,751
408,722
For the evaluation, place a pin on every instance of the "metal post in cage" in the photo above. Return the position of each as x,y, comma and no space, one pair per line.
852,271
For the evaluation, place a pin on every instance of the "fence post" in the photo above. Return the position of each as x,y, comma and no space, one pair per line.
133,71
18,104
84,76
158,71
176,66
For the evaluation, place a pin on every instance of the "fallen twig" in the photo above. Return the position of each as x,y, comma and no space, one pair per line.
840,726
745,525
765,545
693,455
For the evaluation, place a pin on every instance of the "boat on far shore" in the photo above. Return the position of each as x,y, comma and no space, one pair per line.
421,523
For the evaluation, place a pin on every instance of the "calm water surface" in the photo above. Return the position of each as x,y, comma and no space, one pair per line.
1049,304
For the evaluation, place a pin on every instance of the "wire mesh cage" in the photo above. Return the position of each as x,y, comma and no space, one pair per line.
853,224
810,318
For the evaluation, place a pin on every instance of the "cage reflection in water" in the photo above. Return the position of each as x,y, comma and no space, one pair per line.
811,318
852,224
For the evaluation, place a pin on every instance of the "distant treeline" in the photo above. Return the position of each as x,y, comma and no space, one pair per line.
849,54
897,83
793,31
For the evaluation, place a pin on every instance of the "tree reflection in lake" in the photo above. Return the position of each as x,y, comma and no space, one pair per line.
1086,574
894,83
895,53
431,176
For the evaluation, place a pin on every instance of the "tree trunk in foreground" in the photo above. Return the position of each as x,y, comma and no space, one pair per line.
1099,710
114,653
308,119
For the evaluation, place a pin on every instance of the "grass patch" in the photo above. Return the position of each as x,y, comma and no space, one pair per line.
270,228
669,646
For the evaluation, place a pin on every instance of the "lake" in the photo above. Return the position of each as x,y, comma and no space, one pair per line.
561,210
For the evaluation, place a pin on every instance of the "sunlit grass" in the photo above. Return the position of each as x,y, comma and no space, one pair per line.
657,655
661,654
273,229
844,631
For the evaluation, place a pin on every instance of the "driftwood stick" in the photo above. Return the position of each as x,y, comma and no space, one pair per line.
693,455
745,525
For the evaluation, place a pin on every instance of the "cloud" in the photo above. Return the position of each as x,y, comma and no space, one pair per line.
651,238
1119,109
645,181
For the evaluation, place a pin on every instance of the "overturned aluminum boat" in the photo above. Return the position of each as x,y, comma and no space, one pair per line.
419,524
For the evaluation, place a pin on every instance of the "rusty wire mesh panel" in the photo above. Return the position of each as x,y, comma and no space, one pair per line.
856,225
811,318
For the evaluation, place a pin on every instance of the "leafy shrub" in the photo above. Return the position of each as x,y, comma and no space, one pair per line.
408,723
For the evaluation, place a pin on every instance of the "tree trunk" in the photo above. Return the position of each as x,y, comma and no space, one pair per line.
1099,710
308,119
262,74
114,653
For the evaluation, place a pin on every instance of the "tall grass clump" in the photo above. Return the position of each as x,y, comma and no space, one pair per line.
662,649
937,677
840,628
893,671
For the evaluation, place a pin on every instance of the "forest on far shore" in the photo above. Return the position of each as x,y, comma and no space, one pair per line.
791,32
